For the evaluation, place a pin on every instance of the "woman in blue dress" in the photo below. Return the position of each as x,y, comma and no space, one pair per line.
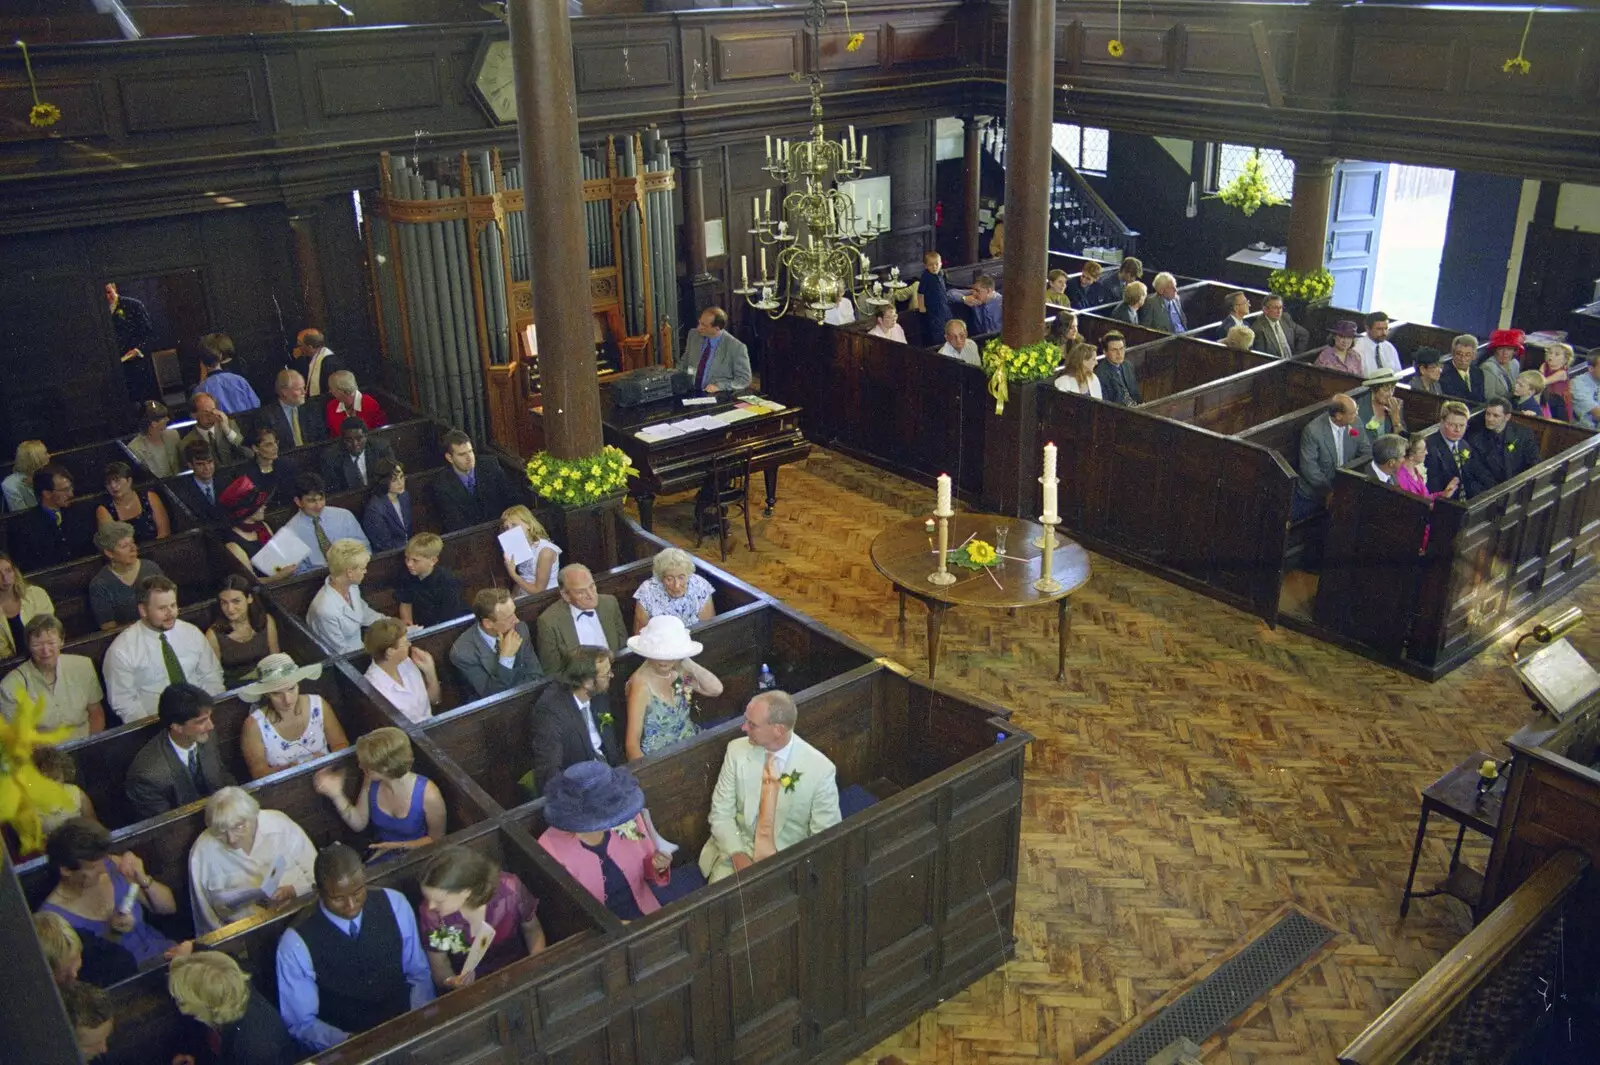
660,692
404,809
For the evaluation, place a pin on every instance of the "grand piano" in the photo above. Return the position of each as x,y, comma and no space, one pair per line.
764,431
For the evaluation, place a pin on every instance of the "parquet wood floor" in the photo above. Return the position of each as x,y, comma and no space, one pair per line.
1196,772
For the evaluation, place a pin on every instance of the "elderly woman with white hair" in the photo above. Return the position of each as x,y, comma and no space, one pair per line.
246,861
675,590
338,613
246,1029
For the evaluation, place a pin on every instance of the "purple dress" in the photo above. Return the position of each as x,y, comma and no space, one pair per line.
145,943
511,907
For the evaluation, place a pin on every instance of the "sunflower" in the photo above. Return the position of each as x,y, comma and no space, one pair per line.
1518,64
855,42
1114,47
43,115
25,793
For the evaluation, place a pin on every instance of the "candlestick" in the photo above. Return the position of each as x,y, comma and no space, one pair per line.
942,575
744,271
942,508
1047,582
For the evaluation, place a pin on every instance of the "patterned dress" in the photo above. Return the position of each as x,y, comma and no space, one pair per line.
282,753
652,595
666,723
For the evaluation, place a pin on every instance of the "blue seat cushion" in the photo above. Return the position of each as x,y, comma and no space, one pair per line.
854,799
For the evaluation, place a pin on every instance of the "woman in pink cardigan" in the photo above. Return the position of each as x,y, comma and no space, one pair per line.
598,834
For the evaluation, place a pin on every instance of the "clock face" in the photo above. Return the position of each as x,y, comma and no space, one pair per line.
493,82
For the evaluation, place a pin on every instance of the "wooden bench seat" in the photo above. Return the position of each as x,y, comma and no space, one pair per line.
183,557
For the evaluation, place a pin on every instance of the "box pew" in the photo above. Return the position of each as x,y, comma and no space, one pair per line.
1202,509
150,1029
1093,328
87,464
1205,303
1174,364
91,495
1490,563
1234,404
182,557
415,444
492,739
103,758
1407,337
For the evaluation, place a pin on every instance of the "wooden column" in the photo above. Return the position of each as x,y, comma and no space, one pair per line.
1030,111
971,189
694,213
547,133
308,265
1308,213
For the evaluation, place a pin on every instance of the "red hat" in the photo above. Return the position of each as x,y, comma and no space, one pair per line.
241,499
1506,338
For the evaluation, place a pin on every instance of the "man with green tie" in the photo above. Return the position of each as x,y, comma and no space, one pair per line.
158,650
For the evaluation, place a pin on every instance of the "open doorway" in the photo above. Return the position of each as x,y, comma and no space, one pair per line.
1411,243
177,307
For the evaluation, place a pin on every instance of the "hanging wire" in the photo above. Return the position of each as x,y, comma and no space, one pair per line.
1517,62
42,115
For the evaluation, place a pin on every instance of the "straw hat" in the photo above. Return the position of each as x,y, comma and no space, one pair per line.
664,639
278,673
592,797
1379,378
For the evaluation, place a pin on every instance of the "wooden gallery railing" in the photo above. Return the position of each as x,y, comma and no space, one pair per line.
1484,996
449,252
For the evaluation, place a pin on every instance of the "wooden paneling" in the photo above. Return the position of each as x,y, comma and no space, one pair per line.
742,56
344,90
164,104
611,66
913,42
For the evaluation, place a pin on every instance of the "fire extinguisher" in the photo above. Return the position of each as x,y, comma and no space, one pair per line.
938,214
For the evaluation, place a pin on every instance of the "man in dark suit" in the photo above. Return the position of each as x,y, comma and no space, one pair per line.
1447,455
583,618
180,764
350,465
1327,443
216,430
1133,297
131,325
469,493
1460,379
200,491
1500,450
572,719
295,422
1277,333
51,533
495,653
718,360
1117,381
1163,310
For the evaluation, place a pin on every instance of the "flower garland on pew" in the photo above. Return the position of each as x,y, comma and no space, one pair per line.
579,482
26,793
1003,364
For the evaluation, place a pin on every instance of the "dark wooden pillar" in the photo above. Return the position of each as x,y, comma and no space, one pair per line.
308,265
1030,111
1308,213
700,284
547,133
971,189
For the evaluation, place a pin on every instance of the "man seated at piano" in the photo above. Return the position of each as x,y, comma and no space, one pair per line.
718,360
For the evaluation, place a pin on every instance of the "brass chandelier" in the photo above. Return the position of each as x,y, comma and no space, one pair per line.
819,238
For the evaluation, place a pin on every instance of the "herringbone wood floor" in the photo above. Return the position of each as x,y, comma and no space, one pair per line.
1196,772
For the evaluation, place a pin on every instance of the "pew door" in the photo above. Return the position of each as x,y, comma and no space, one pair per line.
1355,216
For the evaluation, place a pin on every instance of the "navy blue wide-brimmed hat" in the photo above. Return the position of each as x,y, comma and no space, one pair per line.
592,797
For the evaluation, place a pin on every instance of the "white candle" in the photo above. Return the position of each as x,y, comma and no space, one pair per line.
862,158
755,208
769,205
1049,480
763,263
852,138
1049,462
942,507
866,265
769,147
744,271
811,242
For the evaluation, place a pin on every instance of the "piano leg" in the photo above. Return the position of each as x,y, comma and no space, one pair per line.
771,476
647,510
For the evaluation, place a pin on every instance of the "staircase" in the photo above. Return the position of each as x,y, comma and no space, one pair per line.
1079,218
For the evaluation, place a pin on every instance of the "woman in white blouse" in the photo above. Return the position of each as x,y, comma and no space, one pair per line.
888,325
1080,376
402,674
248,861
288,728
156,446
338,613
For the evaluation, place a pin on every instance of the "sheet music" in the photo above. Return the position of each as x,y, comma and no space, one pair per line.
284,549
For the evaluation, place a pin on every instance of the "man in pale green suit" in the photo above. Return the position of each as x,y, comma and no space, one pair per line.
768,765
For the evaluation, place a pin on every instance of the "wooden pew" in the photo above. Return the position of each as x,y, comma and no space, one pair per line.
91,495
1094,327
183,557
150,1029
1170,365
1205,303
87,464
415,444
492,739
1234,404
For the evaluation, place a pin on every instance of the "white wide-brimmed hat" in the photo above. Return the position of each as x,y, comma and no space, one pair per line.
278,673
664,638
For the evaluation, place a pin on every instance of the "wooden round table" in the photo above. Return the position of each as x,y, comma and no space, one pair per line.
906,555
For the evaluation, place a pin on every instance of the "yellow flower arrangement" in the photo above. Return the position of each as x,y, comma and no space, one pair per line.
975,555
1249,191
26,793
855,43
1114,48
44,115
1004,364
1291,284
577,482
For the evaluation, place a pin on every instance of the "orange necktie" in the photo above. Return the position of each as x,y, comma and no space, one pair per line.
766,845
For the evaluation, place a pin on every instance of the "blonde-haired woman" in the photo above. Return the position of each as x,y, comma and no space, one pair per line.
289,727
404,808
338,613
17,488
1079,375
1239,338
537,572
247,861
20,603
674,588
211,988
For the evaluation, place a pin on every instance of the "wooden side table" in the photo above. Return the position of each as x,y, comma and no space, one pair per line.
1455,797
905,555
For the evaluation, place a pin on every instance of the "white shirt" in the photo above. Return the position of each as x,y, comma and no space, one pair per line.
894,333
314,371
225,884
843,313
780,757
1383,478
590,631
183,752
1338,439
1375,357
1067,383
410,696
337,624
968,352
594,730
136,672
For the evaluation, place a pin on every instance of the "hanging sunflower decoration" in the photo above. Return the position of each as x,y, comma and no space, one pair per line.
1517,63
42,115
1114,46
856,39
